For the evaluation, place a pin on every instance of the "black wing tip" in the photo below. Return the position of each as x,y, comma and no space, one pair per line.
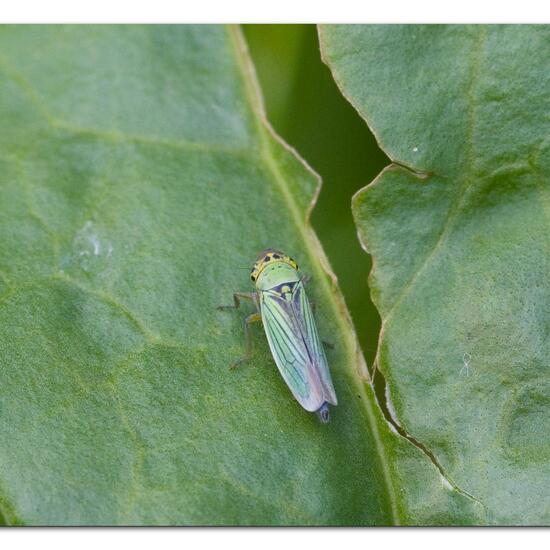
323,413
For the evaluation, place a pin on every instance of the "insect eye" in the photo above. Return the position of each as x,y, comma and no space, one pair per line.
267,258
253,278
276,256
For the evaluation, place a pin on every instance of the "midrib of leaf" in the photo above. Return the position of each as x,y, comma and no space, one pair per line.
321,264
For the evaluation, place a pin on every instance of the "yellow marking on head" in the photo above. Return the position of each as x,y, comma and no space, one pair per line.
268,257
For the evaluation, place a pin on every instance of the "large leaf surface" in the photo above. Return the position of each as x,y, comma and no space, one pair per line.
461,251
138,183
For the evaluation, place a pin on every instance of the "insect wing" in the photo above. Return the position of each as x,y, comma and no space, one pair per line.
296,347
313,342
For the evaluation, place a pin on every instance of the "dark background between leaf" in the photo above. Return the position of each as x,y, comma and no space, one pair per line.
306,108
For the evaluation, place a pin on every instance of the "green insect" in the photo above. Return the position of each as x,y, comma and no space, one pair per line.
288,321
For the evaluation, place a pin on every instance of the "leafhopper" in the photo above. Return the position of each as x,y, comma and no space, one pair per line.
287,318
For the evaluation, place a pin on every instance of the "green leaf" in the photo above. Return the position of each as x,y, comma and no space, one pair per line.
460,245
139,180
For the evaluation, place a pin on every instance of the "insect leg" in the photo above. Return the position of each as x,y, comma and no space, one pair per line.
253,318
237,299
